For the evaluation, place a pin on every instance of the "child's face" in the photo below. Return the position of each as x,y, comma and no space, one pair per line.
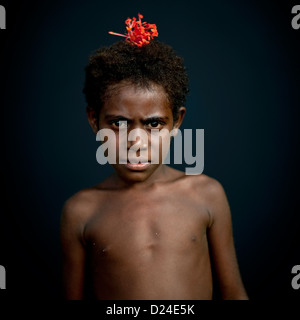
143,109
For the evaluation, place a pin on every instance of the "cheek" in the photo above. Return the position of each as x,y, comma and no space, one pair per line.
121,144
160,145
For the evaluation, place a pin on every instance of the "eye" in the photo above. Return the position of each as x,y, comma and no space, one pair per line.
119,124
154,124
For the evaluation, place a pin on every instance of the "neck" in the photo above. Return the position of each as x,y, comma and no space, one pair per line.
161,174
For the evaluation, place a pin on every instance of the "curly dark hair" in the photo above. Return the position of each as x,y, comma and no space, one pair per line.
155,62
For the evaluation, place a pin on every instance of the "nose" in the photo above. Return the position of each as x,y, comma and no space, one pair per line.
137,139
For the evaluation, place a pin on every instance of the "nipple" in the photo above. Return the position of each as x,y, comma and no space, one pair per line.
105,249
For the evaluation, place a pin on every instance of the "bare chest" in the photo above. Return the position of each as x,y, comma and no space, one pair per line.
143,226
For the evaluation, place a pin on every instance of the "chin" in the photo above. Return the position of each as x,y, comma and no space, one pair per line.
134,176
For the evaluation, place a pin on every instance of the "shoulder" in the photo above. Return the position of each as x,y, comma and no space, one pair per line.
210,193
205,185
80,206
216,202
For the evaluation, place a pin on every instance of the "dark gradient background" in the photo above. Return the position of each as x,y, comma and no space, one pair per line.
243,60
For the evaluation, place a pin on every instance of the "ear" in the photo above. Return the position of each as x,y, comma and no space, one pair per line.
181,114
92,118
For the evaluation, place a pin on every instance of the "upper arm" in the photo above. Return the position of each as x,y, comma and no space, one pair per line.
220,237
73,251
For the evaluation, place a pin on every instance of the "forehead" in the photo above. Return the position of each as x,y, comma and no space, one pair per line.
129,99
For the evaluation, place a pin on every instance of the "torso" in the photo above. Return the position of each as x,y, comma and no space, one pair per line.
149,244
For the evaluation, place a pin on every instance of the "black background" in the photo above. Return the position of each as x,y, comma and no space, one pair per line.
243,61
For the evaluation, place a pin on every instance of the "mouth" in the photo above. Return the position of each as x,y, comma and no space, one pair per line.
143,165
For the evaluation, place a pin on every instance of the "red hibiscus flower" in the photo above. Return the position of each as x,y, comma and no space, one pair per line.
138,32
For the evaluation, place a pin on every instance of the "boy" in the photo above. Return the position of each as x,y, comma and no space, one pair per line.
147,232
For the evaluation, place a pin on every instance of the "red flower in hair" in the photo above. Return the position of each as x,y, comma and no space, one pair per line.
138,32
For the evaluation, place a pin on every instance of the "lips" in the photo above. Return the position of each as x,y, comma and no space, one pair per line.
143,165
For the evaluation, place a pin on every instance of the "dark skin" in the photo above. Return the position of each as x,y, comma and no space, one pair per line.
148,234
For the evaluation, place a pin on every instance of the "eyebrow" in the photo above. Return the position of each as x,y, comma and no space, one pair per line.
147,119
156,118
113,116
